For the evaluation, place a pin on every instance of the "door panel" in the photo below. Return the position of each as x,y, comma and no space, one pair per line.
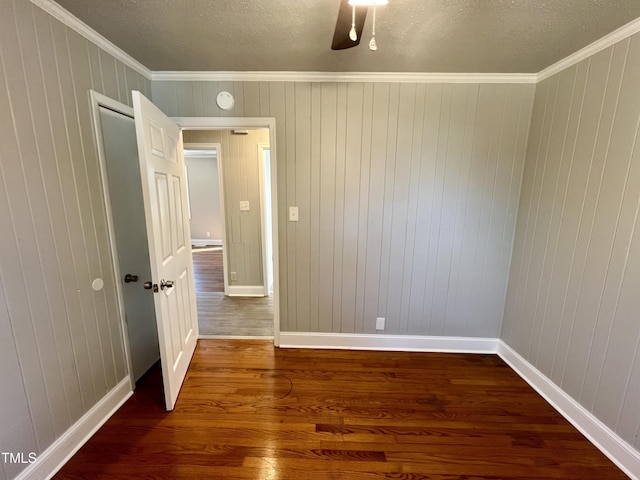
163,185
123,175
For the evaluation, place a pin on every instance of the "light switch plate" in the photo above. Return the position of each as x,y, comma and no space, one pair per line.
244,205
293,214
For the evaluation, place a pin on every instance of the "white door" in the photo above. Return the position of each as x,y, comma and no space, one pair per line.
165,202
125,194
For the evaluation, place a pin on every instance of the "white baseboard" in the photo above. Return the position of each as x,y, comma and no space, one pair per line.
205,242
408,343
54,457
235,337
609,443
245,291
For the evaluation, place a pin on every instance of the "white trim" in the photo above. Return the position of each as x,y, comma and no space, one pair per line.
595,47
224,123
392,77
235,337
206,242
59,453
407,343
605,439
211,123
77,25
245,291
223,213
262,179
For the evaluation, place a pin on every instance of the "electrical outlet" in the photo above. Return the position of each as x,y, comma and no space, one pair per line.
244,205
380,323
208,234
234,276
293,214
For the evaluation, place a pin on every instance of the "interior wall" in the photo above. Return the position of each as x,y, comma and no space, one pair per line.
407,195
573,303
241,171
61,347
204,198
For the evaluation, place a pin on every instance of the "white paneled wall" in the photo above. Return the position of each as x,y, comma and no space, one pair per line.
407,196
573,302
60,342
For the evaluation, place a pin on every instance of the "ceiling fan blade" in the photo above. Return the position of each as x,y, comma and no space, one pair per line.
341,38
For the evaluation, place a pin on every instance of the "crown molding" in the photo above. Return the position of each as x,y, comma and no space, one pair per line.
77,25
346,77
591,49
90,34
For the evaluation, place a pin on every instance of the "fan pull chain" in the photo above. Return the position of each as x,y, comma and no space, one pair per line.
372,44
352,33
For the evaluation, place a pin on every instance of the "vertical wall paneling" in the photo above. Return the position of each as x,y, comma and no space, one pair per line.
412,207
303,202
406,196
387,208
289,178
362,247
339,213
61,340
75,190
314,206
35,327
251,98
417,322
462,203
399,198
327,167
351,220
15,414
275,94
452,179
40,176
570,310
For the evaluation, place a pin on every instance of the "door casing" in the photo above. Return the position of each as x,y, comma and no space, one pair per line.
225,123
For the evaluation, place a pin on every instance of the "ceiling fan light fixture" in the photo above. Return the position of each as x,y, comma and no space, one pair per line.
353,35
368,3
373,46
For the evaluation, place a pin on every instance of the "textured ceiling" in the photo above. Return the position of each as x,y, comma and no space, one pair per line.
448,36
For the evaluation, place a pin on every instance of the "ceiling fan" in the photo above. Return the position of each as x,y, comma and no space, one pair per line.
351,17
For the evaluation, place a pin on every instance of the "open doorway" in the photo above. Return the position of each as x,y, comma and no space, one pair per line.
205,215
229,178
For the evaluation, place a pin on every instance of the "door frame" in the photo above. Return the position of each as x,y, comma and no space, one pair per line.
228,123
267,266
223,218
98,100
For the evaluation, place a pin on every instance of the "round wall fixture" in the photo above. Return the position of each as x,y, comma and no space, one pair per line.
225,101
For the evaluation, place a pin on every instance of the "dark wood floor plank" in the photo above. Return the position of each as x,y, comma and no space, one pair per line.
249,411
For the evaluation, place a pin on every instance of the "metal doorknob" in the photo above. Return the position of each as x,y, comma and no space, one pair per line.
151,286
128,278
166,284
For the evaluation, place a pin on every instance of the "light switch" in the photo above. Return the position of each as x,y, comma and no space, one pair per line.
293,214
244,205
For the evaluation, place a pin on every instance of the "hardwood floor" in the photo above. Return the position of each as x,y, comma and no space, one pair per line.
249,411
234,316
219,315
208,269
